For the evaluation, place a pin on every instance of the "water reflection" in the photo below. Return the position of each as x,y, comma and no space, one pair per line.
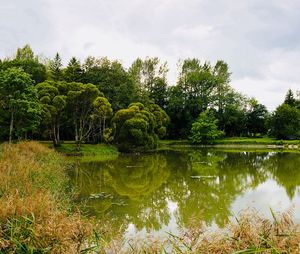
156,190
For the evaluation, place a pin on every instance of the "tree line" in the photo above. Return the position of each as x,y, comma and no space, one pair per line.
100,100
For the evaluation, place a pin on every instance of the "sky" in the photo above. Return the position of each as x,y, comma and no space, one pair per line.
260,40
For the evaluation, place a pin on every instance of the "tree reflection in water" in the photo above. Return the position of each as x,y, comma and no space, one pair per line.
138,189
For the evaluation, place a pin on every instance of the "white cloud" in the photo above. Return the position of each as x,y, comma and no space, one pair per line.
259,40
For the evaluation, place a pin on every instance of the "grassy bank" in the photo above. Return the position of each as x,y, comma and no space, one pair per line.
256,141
88,152
35,212
237,141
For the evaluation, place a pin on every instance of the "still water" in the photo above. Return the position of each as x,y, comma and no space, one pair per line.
155,193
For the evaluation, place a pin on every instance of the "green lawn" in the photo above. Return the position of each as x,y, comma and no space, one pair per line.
88,152
256,141
238,141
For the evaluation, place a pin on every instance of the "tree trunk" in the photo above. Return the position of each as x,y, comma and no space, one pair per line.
11,127
78,136
57,135
76,132
78,145
54,135
100,130
103,129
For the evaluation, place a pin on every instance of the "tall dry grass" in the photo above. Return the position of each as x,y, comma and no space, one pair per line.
250,233
35,213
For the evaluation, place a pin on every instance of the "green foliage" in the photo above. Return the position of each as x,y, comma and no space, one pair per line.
80,99
149,79
25,53
89,152
205,129
20,108
29,63
110,78
73,72
54,101
199,87
256,118
286,122
289,98
56,68
158,92
137,127
161,118
102,112
234,120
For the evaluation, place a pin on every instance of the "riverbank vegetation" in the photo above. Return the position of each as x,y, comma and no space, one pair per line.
100,100
36,216
265,141
251,233
36,213
88,152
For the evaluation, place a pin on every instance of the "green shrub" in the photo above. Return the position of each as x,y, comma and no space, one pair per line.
205,129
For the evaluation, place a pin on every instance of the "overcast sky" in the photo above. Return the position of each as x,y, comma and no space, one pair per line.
258,39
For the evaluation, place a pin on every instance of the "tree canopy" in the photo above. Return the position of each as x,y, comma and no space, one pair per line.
135,128
100,100
205,129
20,108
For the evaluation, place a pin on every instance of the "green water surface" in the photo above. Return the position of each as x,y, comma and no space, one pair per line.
156,192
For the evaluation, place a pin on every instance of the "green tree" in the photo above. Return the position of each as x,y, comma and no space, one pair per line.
73,72
290,99
102,112
234,120
28,62
285,122
158,92
199,87
197,83
56,68
53,99
18,97
176,110
205,129
80,100
256,118
111,79
135,128
24,53
161,118
149,77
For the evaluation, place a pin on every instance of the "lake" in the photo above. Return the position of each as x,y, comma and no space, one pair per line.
163,191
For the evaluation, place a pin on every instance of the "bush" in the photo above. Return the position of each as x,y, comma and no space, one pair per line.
137,128
286,122
205,129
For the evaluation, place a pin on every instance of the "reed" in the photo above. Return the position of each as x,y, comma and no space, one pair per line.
250,233
36,215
